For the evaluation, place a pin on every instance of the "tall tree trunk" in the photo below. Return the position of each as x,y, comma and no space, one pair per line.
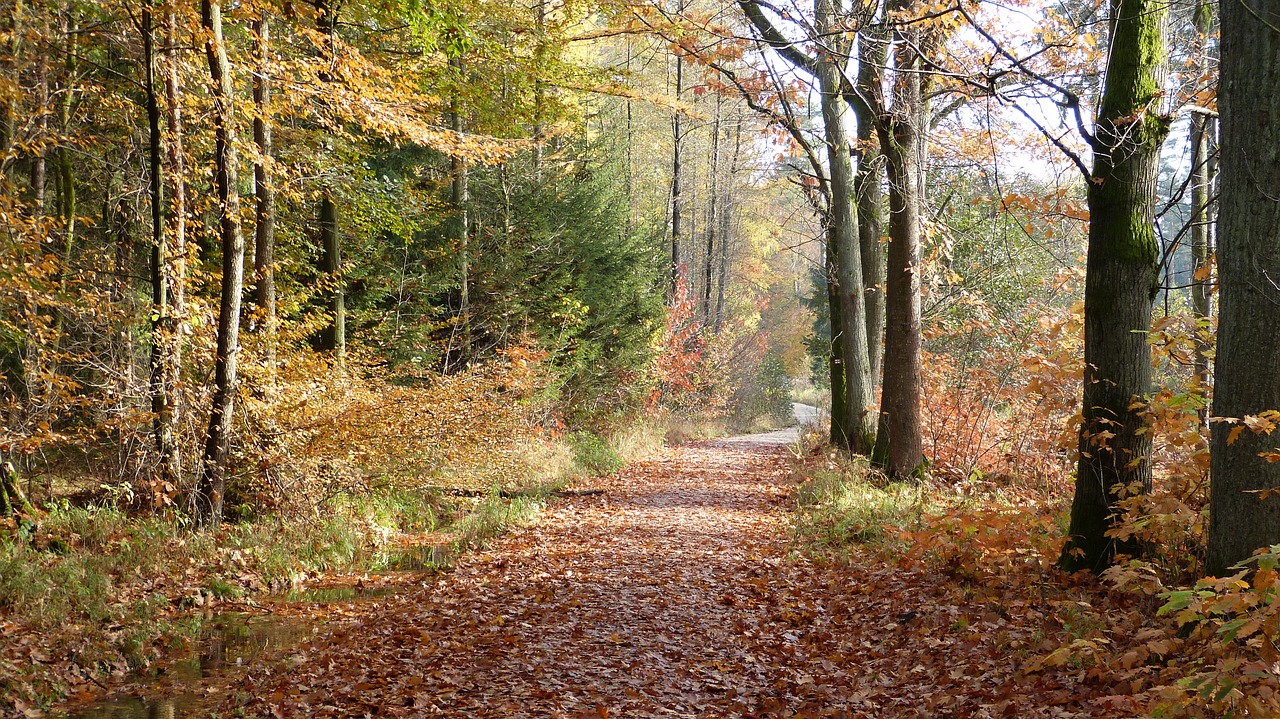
835,361
1120,281
677,201
899,446
842,232
9,116
727,210
713,221
460,198
331,239
176,272
1201,181
264,235
1241,517
164,331
866,184
64,169
38,160
213,473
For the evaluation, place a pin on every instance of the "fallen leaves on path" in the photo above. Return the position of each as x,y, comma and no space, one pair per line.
674,594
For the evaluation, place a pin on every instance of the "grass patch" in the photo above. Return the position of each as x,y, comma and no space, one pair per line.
841,507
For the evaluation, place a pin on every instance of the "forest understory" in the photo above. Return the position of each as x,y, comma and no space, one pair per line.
750,576
439,308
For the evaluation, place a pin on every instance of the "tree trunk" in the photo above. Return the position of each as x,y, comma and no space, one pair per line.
713,220
264,235
899,446
727,208
1120,282
842,231
677,202
12,499
835,362
1201,181
213,474
331,239
866,184
1240,518
176,271
164,330
460,197
9,118
38,163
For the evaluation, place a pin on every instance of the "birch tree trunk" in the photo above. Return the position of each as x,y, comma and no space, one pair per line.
209,496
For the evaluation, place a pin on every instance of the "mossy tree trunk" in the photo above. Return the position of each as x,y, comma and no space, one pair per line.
1241,517
842,237
1121,281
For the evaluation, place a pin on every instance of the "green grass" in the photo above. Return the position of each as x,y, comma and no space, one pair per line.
594,454
846,504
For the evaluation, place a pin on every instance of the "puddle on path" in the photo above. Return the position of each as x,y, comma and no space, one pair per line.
226,641
425,557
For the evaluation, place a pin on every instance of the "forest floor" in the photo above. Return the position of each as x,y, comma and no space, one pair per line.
679,591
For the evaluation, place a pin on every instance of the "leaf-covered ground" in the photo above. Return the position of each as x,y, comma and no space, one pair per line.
676,593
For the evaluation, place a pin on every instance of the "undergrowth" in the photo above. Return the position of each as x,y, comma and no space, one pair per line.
96,590
1146,635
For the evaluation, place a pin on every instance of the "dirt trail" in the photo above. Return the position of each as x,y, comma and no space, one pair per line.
672,594
647,600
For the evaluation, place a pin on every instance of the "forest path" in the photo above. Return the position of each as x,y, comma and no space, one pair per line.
652,599
675,594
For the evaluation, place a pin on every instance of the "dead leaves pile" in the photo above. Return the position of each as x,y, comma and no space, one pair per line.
675,594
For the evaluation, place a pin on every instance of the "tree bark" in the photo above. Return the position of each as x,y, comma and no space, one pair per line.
835,361
164,330
38,162
264,235
1120,282
1201,182
176,271
1240,518
210,492
899,445
866,184
677,201
842,232
460,198
713,221
331,239
727,209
